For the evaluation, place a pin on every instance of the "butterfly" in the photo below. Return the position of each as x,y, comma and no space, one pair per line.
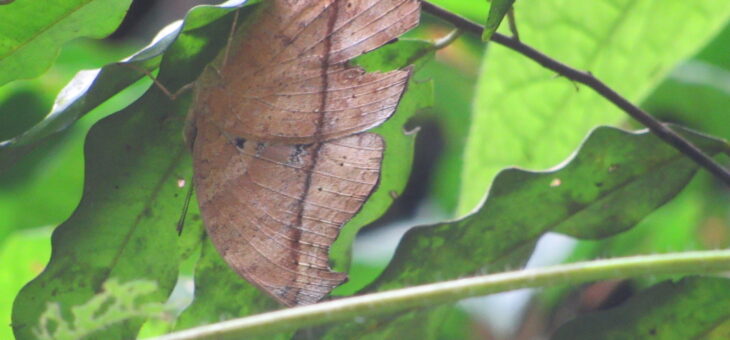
281,154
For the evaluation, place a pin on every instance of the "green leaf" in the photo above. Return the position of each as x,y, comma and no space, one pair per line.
687,309
397,55
497,11
124,227
116,303
527,116
716,52
616,178
475,10
32,32
136,169
86,91
396,166
92,87
220,294
686,222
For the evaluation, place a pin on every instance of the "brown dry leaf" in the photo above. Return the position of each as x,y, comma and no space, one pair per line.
280,154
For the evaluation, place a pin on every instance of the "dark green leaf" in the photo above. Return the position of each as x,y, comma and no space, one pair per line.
29,46
220,294
497,12
616,179
124,227
397,55
114,304
91,88
137,169
687,309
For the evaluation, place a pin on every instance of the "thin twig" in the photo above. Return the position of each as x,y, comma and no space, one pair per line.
379,304
586,78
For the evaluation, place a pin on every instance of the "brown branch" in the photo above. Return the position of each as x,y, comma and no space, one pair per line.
586,78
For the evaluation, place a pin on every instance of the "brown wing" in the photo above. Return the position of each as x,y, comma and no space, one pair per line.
274,210
281,158
286,79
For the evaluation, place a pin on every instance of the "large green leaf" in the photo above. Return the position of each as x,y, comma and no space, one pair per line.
92,87
32,32
87,90
616,179
473,9
687,309
55,164
524,115
136,169
124,227
716,52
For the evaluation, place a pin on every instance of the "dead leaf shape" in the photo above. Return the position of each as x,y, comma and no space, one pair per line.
280,154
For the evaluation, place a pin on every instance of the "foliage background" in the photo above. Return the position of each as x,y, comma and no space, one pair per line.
480,94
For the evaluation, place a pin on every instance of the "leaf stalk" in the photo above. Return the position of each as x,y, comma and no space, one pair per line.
379,304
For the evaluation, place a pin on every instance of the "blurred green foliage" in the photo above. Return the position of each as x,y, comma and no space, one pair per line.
700,304
23,256
492,108
29,46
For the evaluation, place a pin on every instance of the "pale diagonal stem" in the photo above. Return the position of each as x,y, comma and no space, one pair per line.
379,304
655,126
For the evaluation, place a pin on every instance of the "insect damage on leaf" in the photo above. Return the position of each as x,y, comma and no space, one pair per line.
281,156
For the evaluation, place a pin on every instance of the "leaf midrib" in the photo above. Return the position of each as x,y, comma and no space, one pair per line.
141,214
45,29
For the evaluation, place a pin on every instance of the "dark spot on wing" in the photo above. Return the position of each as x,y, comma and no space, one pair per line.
260,146
240,142
299,151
